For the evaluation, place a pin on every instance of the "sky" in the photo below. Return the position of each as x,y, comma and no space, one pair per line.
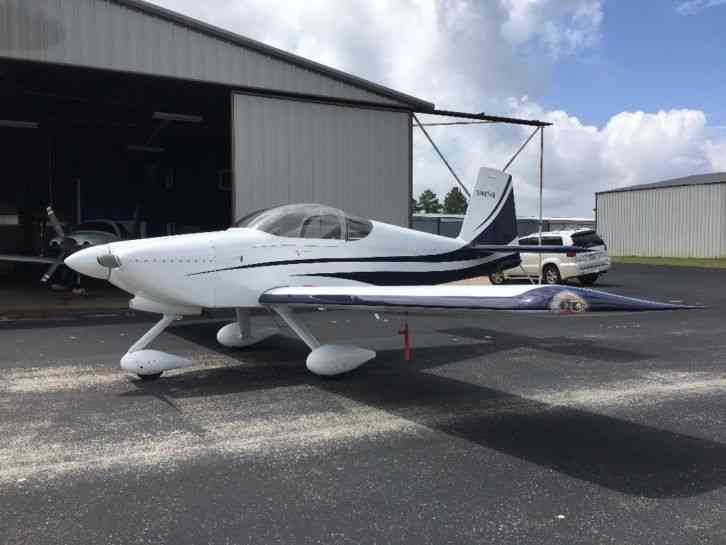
634,89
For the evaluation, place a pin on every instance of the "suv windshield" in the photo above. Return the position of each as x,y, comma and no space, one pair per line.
587,239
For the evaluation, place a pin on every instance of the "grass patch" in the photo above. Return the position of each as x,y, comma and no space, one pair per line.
705,263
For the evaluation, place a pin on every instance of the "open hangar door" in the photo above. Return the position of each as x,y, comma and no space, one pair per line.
152,154
352,157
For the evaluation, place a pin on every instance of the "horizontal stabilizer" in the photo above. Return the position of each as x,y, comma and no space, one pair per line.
529,249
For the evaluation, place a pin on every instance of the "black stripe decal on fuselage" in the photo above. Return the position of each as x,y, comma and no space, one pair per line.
423,278
464,253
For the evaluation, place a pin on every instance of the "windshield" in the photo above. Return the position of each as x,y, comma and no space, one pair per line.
245,220
307,221
587,239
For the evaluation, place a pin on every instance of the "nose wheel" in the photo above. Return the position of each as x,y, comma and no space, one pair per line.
147,363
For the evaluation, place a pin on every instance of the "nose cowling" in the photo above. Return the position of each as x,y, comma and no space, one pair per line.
165,269
90,261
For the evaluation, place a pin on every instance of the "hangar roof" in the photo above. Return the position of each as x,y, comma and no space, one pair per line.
249,43
696,179
135,36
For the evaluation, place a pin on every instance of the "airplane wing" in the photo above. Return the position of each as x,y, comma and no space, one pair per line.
556,299
28,259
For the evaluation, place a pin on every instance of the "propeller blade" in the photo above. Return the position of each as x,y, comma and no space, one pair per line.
68,246
51,270
57,227
27,259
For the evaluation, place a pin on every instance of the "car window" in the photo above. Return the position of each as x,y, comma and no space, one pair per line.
587,239
323,226
531,241
551,241
122,229
96,226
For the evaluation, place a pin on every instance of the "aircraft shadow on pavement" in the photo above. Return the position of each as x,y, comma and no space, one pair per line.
559,345
610,452
282,347
617,454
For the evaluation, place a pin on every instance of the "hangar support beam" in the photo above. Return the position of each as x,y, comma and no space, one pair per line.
482,118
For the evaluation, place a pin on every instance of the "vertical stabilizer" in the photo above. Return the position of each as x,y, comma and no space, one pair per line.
490,217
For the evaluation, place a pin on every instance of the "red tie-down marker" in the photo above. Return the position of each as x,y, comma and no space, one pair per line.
406,341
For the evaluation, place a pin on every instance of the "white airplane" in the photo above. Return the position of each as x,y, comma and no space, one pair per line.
310,255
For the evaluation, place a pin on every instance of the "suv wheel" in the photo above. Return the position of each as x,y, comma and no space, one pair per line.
588,279
551,275
497,278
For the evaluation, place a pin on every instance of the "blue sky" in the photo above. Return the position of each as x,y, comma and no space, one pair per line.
649,57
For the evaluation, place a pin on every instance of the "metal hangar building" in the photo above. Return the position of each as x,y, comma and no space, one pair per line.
120,109
682,217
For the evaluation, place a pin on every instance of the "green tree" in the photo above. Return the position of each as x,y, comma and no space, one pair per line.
429,203
455,202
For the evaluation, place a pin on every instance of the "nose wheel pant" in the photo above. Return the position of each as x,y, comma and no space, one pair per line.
150,364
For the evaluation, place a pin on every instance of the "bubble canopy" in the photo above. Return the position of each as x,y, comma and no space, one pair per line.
307,221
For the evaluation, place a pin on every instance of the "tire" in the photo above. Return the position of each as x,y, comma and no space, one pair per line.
497,278
150,378
551,275
588,279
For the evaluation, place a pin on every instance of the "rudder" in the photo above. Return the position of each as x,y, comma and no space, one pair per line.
491,216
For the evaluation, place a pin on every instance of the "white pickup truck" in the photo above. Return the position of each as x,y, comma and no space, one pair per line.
557,268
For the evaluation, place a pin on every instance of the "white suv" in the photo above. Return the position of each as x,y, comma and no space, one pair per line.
557,268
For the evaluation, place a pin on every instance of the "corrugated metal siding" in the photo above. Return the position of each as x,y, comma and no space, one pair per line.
102,34
667,222
289,151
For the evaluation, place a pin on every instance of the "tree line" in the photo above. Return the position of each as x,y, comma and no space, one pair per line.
428,202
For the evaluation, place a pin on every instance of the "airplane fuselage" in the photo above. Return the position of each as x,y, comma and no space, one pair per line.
232,268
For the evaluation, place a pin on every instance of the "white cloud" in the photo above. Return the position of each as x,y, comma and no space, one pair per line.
716,154
564,27
692,7
484,56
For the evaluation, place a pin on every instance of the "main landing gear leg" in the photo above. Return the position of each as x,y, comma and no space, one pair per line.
150,364
326,359
239,334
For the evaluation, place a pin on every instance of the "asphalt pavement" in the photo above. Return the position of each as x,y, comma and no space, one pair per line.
503,429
